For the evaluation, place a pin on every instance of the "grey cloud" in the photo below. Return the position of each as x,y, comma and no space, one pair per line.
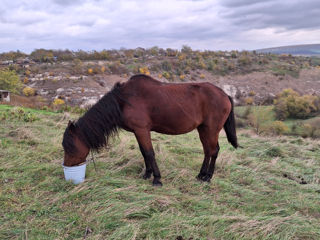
98,24
68,2
283,14
241,3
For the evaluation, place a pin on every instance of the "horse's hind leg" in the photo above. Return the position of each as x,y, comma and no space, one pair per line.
212,164
148,171
209,140
144,140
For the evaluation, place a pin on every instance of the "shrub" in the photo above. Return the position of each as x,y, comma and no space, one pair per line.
29,117
58,102
247,112
78,110
182,56
274,152
118,68
29,91
244,60
311,129
27,72
166,75
278,128
259,119
306,130
201,64
166,66
281,109
144,70
10,81
186,49
290,104
18,113
249,101
252,93
241,123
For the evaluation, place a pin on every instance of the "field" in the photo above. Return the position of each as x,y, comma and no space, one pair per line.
269,189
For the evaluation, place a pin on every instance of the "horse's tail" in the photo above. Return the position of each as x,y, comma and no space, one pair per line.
230,127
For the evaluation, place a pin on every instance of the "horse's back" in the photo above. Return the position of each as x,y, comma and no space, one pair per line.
172,108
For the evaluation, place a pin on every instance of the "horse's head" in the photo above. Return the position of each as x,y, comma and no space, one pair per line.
75,151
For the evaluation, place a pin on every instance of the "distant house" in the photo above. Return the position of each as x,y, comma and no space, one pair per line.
4,96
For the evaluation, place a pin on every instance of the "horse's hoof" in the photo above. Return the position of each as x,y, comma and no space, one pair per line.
200,176
207,178
146,176
157,184
204,178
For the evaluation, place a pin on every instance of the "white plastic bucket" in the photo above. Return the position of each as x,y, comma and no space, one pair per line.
76,173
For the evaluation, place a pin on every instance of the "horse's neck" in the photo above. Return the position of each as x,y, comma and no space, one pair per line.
101,121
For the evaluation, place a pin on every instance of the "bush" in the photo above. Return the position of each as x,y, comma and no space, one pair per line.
290,104
241,123
259,119
58,102
281,109
274,152
10,81
245,60
144,70
247,112
277,128
90,71
18,113
29,91
311,129
166,66
27,72
252,93
249,101
166,75
29,117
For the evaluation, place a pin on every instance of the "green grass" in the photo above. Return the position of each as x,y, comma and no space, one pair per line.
4,107
254,194
267,115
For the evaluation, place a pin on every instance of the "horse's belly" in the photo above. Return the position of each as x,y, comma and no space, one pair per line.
170,131
174,126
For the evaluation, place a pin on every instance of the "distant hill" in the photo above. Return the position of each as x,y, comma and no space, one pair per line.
302,50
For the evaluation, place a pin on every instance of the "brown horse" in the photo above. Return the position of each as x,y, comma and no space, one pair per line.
143,104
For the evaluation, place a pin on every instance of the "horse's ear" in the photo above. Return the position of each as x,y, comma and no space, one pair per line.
71,125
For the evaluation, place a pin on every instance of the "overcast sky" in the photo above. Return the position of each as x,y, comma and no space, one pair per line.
200,24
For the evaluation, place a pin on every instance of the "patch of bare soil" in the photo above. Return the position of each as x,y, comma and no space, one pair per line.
264,86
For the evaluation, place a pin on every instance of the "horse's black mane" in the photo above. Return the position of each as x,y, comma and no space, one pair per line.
101,121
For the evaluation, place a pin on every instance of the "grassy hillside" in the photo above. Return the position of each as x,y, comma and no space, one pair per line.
304,50
269,189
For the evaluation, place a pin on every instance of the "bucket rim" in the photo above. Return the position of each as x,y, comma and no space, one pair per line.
80,165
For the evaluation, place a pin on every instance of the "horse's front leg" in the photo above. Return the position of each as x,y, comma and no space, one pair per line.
145,144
